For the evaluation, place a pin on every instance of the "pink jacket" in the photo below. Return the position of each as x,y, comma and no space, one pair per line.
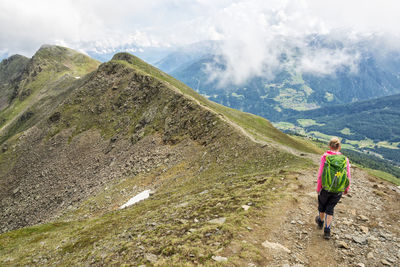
321,168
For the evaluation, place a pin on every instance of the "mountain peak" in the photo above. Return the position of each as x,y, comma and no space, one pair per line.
56,52
44,46
129,58
13,58
12,67
63,59
124,56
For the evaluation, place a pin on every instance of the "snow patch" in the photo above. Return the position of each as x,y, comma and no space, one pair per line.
139,197
77,77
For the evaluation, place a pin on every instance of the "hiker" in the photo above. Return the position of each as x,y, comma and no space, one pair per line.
333,181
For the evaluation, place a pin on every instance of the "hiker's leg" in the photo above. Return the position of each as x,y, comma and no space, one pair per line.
322,199
328,220
333,200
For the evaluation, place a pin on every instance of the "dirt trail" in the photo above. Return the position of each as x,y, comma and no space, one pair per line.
253,137
365,230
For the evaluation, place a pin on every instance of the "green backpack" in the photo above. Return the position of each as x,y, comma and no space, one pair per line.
334,175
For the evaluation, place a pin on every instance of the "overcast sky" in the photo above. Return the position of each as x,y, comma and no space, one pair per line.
243,27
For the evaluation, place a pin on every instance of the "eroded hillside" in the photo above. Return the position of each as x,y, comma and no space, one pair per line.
218,178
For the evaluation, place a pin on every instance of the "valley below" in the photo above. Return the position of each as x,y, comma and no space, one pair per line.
223,187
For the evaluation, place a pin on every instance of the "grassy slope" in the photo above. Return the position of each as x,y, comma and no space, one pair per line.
234,173
173,223
59,68
252,123
384,175
161,224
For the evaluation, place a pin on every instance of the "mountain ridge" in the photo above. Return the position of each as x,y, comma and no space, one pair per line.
109,105
38,84
218,191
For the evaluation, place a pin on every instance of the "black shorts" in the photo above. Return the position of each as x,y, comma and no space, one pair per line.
327,201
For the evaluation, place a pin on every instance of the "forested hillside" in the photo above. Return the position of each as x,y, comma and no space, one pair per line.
372,125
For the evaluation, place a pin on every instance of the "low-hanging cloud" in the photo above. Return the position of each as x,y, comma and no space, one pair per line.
328,61
253,35
256,36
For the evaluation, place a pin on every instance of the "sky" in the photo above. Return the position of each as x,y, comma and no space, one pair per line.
252,33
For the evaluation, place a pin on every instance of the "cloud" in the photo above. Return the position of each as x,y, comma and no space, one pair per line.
253,33
328,61
256,35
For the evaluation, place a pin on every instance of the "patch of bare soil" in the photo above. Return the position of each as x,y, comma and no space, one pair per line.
365,229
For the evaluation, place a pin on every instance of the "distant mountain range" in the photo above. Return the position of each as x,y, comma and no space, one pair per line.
289,90
78,139
287,97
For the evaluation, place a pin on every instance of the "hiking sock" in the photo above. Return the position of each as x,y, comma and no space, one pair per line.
326,221
319,222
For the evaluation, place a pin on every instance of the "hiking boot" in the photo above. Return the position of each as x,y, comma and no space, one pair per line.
327,233
319,222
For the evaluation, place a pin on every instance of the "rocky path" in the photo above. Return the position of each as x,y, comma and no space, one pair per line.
365,230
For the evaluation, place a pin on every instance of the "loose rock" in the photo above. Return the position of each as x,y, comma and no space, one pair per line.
220,220
364,229
342,244
390,260
151,257
245,207
219,258
275,246
360,240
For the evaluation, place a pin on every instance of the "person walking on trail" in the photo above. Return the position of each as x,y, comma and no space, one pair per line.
333,181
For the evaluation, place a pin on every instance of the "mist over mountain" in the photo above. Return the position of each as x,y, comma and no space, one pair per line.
189,133
372,72
301,83
74,149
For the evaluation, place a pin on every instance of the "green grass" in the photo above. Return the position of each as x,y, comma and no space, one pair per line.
213,181
159,225
290,98
346,131
329,97
384,175
320,135
366,143
308,122
386,144
59,67
254,124
284,125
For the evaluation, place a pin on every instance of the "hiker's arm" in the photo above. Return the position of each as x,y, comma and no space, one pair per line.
348,175
321,168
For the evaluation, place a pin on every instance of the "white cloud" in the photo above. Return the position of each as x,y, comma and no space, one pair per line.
253,33
327,61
